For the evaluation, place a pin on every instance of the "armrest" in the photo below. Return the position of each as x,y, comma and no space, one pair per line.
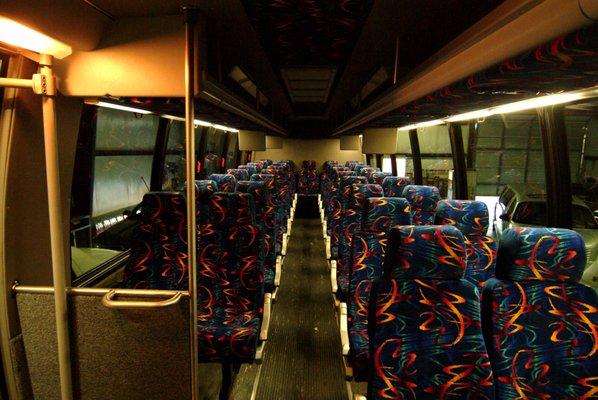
285,239
333,276
324,228
344,330
278,271
266,317
289,226
328,249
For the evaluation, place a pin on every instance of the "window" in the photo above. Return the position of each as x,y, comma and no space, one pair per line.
581,125
437,161
509,162
232,150
112,173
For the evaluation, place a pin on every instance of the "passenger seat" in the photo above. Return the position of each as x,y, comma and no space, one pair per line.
425,328
471,218
540,323
423,200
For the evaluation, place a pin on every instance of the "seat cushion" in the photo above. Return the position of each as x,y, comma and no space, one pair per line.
228,339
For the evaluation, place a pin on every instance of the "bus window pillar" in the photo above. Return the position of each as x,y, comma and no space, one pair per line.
556,167
417,158
459,168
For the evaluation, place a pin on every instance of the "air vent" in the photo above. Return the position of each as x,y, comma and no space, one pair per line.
309,85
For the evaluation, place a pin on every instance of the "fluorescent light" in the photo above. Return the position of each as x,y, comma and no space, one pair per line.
18,35
470,115
117,106
225,128
537,102
172,117
202,123
424,124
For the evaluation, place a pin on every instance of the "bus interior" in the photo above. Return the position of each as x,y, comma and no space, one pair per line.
390,199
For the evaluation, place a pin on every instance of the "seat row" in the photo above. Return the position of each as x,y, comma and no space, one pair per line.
243,226
429,335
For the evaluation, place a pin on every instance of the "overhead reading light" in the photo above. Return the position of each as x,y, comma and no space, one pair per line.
18,35
422,125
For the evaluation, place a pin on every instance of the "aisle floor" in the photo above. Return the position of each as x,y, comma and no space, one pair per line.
302,358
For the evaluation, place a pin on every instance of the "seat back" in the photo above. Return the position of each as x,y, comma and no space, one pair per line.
264,213
226,182
425,334
471,218
239,173
308,178
340,206
367,256
249,167
394,185
423,201
159,254
350,225
378,177
540,323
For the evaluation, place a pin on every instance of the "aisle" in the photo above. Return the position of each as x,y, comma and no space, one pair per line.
302,359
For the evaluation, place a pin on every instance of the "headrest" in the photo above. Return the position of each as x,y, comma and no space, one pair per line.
383,212
163,206
257,189
231,209
422,198
251,169
340,174
540,254
393,185
269,179
347,181
378,177
240,174
425,252
470,217
362,192
308,164
204,189
367,171
226,182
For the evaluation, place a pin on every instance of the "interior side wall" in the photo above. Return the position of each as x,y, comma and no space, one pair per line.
302,149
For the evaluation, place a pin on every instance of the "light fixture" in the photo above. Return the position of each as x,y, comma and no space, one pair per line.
479,114
18,35
225,128
538,102
114,106
197,122
424,124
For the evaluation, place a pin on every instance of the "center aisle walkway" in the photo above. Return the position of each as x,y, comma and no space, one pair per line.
302,359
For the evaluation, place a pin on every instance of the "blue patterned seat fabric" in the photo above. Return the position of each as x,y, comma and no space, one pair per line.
159,255
308,178
471,218
350,225
342,195
226,182
265,220
425,330
378,177
239,173
394,185
204,189
423,201
540,323
367,256
230,281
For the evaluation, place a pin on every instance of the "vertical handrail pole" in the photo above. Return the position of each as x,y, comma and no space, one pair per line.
56,240
190,16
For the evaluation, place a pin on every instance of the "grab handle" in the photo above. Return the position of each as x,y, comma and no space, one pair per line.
109,302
